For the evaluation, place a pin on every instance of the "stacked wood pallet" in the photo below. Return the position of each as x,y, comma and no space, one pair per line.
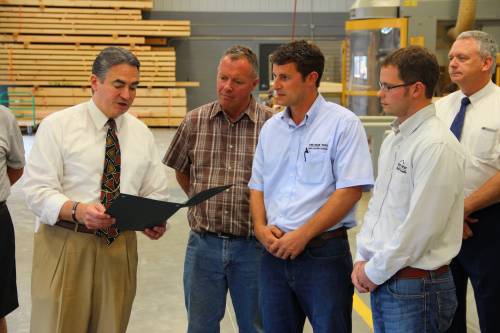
46,44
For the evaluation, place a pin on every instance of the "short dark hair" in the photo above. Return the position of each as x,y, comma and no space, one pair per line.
306,56
236,52
112,56
415,64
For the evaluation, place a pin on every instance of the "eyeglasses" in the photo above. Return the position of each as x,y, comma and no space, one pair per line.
386,87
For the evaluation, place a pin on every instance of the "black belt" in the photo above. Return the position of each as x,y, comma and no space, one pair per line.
76,227
223,235
3,204
321,239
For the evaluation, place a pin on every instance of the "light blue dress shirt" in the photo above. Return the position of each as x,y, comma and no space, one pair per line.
298,167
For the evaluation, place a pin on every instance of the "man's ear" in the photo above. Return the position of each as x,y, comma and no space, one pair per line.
94,80
487,63
312,77
419,89
255,83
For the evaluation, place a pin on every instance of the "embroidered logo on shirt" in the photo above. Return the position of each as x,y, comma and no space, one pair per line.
314,146
320,146
401,166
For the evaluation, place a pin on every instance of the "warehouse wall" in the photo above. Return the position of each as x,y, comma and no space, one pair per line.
212,33
253,6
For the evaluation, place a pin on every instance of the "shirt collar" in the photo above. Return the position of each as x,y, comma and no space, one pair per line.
99,118
478,95
250,111
412,123
311,114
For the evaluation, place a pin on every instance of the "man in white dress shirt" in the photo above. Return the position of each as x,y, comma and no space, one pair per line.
473,114
84,270
413,225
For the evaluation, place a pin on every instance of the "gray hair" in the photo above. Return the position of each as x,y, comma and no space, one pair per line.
487,45
112,56
236,52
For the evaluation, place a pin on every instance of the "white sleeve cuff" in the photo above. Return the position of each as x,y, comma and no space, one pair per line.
53,205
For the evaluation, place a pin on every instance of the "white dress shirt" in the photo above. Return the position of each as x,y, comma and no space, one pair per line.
67,160
480,134
415,216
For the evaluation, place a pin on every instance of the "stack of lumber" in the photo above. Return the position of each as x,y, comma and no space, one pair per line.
154,106
48,47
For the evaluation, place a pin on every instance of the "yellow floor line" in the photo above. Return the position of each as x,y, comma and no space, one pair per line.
363,310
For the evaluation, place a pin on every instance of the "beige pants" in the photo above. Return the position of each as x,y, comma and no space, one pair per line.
79,284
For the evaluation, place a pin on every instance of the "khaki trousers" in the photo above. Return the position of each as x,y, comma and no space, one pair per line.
79,284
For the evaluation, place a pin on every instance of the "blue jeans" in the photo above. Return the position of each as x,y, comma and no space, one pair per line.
212,267
414,305
316,284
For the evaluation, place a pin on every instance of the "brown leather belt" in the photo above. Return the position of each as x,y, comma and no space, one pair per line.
417,273
76,227
320,240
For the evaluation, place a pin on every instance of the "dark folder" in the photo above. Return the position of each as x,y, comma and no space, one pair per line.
136,213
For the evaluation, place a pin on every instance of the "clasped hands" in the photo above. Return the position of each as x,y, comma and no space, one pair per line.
280,244
94,216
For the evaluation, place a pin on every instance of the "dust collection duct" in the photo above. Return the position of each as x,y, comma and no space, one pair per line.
376,27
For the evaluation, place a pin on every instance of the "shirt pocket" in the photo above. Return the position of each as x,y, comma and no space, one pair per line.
486,145
313,171
400,192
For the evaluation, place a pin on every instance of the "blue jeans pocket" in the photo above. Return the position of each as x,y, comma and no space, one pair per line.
406,288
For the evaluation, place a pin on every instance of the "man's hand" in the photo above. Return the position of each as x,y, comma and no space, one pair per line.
267,235
93,216
468,209
290,245
467,233
156,232
360,280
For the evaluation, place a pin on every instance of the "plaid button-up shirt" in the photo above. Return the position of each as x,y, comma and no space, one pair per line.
215,151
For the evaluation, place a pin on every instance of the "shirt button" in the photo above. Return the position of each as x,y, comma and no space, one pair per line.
226,212
230,146
229,168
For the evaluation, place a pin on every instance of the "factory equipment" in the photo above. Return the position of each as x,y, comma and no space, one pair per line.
376,27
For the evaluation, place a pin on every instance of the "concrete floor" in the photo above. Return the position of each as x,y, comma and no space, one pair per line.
159,304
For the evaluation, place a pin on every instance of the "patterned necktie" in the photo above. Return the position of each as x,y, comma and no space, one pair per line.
458,122
110,182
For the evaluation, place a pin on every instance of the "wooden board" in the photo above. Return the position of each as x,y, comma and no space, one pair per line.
73,47
140,4
162,122
86,92
114,31
65,13
113,40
